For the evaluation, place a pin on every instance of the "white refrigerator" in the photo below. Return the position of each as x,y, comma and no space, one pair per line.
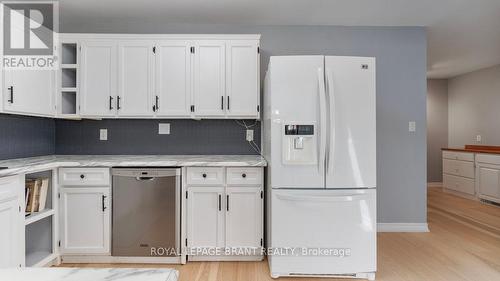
319,137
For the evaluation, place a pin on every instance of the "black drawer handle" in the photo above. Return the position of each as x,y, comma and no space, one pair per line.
220,202
82,176
244,175
204,175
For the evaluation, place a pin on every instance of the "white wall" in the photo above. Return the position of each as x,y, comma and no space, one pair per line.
474,108
437,127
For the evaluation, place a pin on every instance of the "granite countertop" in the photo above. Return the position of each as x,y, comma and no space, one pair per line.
34,164
88,274
475,149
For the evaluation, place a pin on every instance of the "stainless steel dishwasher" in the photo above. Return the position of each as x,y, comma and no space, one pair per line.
146,212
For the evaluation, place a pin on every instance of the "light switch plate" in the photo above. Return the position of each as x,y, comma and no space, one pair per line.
249,136
164,128
478,138
412,126
103,134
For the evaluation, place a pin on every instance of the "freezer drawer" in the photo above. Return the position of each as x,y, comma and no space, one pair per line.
341,222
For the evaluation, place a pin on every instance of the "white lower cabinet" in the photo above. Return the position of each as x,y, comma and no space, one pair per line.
223,215
11,222
489,182
205,217
244,217
85,223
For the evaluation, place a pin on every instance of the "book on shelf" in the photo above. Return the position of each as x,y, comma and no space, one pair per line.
36,194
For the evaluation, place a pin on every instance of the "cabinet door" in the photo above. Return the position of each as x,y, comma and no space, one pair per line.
209,78
173,78
11,222
9,242
205,225
29,92
135,79
244,217
242,81
98,79
85,223
489,181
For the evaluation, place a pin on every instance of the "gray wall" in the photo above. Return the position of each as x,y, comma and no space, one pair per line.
141,137
401,92
474,108
437,127
25,136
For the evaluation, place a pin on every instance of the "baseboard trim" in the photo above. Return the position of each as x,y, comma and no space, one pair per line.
435,184
402,227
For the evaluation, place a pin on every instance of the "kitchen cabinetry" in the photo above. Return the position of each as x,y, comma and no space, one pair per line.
458,172
242,79
135,78
488,177
168,76
244,217
205,217
224,210
85,211
11,222
209,78
173,78
29,92
98,79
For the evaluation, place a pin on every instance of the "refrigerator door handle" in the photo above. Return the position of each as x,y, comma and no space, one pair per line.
343,198
330,150
322,120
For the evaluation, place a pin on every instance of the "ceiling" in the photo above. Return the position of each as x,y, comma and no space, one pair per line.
463,35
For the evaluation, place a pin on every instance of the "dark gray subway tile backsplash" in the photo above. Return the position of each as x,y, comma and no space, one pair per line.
22,136
140,136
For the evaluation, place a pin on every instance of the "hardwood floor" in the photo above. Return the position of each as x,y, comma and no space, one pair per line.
454,249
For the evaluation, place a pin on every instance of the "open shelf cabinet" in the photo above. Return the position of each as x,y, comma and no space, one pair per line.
68,81
40,231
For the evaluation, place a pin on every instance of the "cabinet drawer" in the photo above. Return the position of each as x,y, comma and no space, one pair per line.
205,176
244,176
459,184
84,177
458,168
464,156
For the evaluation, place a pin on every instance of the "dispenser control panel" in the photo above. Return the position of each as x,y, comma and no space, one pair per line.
299,144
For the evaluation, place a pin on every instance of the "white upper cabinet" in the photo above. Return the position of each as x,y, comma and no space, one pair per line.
29,92
154,76
242,78
209,78
135,78
98,79
173,78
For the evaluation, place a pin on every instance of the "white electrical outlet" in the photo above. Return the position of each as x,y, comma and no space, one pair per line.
249,135
103,134
164,128
412,126
478,138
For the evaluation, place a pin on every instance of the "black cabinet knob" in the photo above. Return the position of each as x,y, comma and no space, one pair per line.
244,175
204,175
82,176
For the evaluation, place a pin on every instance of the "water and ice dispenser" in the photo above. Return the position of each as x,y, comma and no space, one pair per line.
299,144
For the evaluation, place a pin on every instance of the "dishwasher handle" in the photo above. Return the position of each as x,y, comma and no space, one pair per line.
145,178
